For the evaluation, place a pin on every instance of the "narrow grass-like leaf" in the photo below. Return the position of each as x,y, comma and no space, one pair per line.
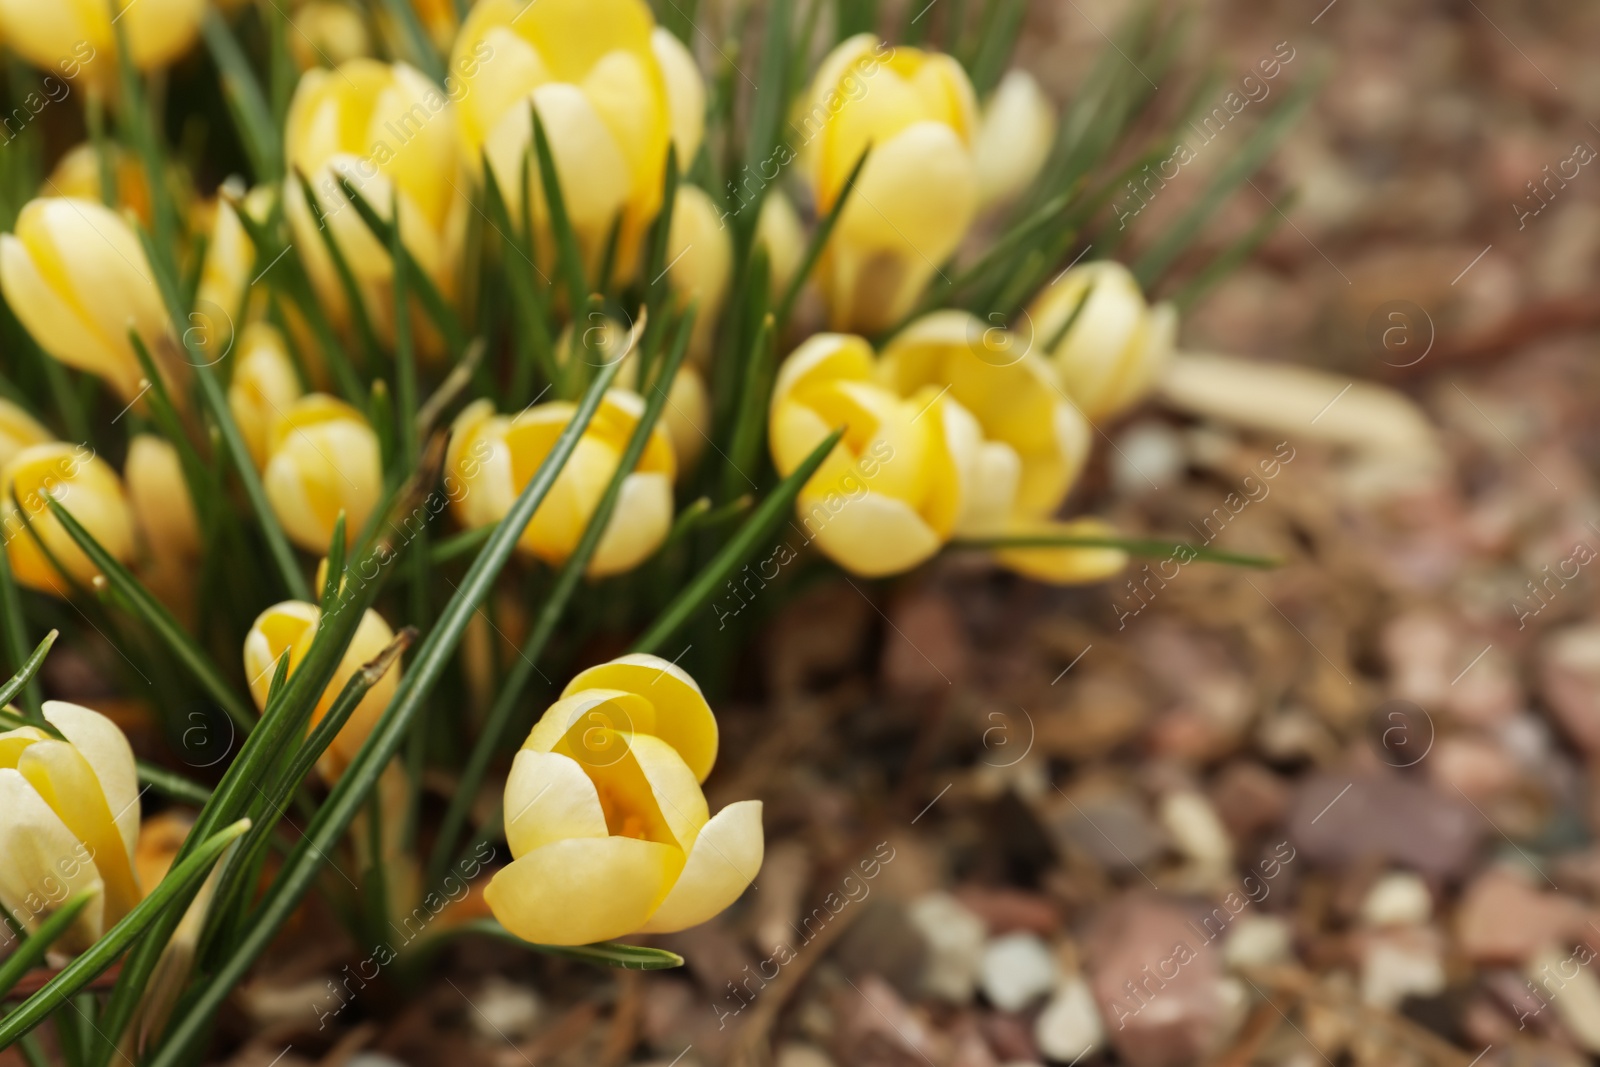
154,614
1233,256
246,101
184,876
819,241
528,304
460,545
759,525
27,955
27,669
1144,547
998,37
568,255
361,777
552,610
750,417
15,630
165,415
353,297
333,580
602,954
423,52
174,786
767,110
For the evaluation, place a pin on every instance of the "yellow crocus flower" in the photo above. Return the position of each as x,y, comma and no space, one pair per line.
892,490
69,822
322,458
918,193
391,133
77,278
327,33
612,91
77,38
87,487
1118,346
607,824
77,174
18,430
494,456
1015,135
288,629
263,388
699,258
162,507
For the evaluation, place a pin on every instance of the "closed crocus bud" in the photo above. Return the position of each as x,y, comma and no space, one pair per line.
18,430
1034,440
687,415
919,191
391,133
77,175
890,493
160,498
82,483
263,388
322,458
69,822
225,296
609,830
288,628
76,37
699,261
494,456
76,276
1118,346
779,231
611,92
1014,137
326,33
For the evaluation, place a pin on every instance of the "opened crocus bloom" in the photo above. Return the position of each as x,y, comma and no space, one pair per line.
69,822
77,278
892,490
82,483
288,629
391,134
322,459
495,456
1117,346
608,827
919,190
612,91
1034,441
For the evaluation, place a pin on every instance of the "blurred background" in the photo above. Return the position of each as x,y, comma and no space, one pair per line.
1337,812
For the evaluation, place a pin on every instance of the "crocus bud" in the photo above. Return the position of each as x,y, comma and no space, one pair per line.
919,191
1014,137
288,629
494,456
607,824
225,295
699,260
687,414
322,458
1034,440
1118,346
18,430
391,133
890,493
77,175
779,231
76,277
76,37
611,92
160,498
69,822
263,388
82,483
328,33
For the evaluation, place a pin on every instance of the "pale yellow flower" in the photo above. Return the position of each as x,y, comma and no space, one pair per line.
1015,135
322,458
779,231
288,628
263,388
391,133
919,191
327,33
612,91
160,498
77,175
76,277
891,492
18,430
69,822
82,483
699,259
1119,345
76,38
492,457
608,827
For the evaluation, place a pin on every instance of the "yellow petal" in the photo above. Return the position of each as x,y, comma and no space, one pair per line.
106,749
683,719
725,858
677,794
638,526
686,93
18,430
582,890
45,865
596,708
66,782
870,535
1014,138
87,487
323,460
549,798
160,497
285,628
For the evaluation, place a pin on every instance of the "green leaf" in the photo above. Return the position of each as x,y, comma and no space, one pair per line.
554,606
353,298
423,53
819,241
246,101
760,524
568,255
601,954
1002,23
153,614
15,629
26,672
184,876
1233,256
1151,548
175,786
27,955
361,777
750,416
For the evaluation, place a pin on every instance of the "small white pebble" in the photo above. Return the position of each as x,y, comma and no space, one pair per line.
1258,941
1399,898
1017,970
